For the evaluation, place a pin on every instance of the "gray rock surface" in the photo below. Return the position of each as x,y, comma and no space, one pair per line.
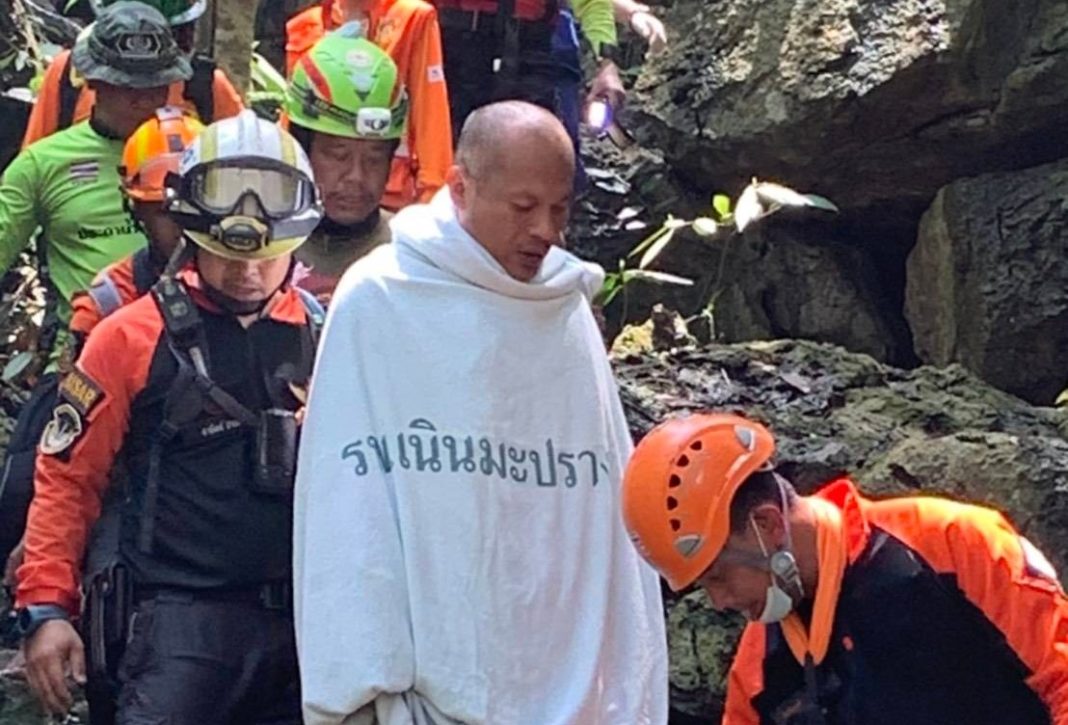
874,103
798,274
988,280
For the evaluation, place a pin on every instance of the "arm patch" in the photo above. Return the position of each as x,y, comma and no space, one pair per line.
79,395
81,392
62,431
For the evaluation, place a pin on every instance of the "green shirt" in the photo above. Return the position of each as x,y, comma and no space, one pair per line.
68,185
598,22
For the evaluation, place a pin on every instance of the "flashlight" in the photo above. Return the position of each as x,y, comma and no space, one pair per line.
599,115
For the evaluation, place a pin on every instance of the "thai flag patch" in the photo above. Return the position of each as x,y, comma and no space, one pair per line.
84,171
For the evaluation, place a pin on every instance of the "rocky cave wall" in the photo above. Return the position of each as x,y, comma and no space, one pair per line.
940,127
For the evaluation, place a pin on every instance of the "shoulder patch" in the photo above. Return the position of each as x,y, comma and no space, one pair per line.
65,427
435,74
81,392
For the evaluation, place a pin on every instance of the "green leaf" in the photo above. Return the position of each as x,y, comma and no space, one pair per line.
654,251
821,202
657,277
648,241
1062,399
613,283
265,78
16,365
610,287
722,205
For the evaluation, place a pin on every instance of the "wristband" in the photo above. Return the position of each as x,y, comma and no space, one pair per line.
32,617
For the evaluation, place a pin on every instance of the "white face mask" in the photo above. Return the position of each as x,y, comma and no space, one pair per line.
781,564
777,604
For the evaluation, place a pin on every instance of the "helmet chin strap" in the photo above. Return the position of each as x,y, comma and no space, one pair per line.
240,308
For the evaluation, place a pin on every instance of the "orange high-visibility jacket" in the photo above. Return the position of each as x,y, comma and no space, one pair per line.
946,615
44,118
408,31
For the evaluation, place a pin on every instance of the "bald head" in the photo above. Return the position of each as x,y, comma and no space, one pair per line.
494,136
511,183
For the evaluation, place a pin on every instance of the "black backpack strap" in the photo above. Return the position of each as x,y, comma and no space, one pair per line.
185,337
68,95
145,271
200,89
315,312
506,32
552,9
186,340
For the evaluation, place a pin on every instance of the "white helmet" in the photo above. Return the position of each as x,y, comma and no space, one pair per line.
245,190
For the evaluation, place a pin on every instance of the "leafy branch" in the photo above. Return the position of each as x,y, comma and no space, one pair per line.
759,200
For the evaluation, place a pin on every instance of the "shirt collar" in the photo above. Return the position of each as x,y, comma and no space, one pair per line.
843,493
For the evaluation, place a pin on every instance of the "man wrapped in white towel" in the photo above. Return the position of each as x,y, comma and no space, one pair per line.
460,555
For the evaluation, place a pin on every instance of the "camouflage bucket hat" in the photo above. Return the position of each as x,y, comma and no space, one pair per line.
130,45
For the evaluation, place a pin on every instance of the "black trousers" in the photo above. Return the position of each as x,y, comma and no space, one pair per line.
470,52
207,662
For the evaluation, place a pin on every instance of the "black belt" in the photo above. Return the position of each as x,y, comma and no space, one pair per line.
273,595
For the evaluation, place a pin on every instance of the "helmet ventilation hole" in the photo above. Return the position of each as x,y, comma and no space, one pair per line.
746,437
674,481
675,524
687,546
683,461
672,503
696,446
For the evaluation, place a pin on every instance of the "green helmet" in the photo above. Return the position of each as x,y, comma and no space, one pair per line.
177,12
348,86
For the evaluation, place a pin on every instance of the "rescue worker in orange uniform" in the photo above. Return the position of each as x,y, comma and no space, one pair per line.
153,151
193,391
911,610
150,153
407,30
64,98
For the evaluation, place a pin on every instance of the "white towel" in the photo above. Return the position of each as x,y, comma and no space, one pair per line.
459,550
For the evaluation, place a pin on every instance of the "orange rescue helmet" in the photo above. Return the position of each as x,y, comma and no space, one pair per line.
678,487
155,149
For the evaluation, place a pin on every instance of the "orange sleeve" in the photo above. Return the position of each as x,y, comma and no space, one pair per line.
76,453
85,315
228,101
430,126
302,31
1009,580
746,678
44,116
